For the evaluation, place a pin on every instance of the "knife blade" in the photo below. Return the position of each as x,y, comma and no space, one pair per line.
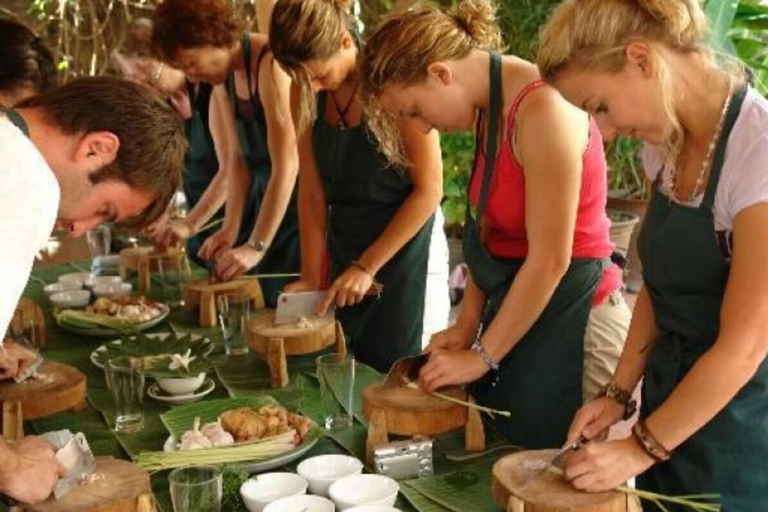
404,370
293,307
557,460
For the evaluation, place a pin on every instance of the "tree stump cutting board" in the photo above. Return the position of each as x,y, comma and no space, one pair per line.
145,260
518,488
275,342
203,294
59,387
122,487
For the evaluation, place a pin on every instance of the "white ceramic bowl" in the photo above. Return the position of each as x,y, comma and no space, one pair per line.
181,385
304,503
70,299
323,470
52,288
355,490
111,290
102,280
75,277
373,508
261,490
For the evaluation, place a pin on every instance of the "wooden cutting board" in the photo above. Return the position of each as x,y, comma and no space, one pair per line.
203,294
410,412
59,387
518,488
298,340
122,487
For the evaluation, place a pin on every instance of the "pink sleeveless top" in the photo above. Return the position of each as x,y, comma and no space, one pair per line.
505,211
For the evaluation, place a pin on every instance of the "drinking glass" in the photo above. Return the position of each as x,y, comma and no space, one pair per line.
196,489
336,374
125,380
174,277
234,311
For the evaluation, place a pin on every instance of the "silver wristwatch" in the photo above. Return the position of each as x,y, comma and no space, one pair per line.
257,245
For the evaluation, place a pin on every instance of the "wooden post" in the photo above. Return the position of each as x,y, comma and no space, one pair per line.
474,437
278,366
13,421
377,433
144,273
207,309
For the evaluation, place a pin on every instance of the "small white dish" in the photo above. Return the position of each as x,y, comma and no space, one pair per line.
301,504
373,508
356,490
112,290
93,281
155,392
70,299
323,470
52,288
181,385
261,490
75,277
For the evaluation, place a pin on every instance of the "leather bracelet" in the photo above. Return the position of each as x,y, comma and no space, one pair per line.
649,443
621,397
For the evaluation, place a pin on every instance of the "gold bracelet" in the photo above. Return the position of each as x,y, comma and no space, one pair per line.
649,443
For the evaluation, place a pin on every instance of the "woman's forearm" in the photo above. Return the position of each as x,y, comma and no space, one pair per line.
210,202
238,185
472,305
274,205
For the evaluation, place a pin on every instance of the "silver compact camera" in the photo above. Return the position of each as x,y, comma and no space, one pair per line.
407,459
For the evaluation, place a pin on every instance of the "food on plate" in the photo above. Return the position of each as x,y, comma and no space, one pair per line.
136,309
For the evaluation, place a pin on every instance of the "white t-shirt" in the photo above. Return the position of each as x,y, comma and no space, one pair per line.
29,203
744,177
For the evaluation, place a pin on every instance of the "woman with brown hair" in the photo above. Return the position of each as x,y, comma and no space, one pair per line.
26,64
376,218
542,320
699,332
252,101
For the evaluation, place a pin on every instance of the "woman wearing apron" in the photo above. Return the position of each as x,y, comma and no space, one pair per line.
204,187
699,333
536,234
259,147
376,218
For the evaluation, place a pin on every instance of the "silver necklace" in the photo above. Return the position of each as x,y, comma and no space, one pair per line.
707,159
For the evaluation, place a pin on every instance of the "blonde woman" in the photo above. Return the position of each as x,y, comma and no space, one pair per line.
699,333
377,218
250,106
536,237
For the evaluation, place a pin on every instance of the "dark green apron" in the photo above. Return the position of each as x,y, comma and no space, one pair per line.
16,119
363,193
685,274
540,380
200,162
282,256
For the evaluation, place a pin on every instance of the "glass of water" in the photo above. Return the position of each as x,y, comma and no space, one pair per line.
175,274
196,488
336,374
234,311
125,380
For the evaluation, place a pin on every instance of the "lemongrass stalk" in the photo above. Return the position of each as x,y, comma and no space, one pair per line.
487,410
211,224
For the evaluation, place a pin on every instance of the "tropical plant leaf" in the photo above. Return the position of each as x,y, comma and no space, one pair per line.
142,346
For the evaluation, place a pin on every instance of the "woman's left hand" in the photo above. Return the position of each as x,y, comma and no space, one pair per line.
236,262
347,290
446,368
598,467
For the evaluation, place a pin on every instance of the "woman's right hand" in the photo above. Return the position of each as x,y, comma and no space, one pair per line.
457,337
173,234
595,418
302,285
217,244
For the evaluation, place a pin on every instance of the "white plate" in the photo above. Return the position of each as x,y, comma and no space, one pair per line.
158,394
162,335
103,332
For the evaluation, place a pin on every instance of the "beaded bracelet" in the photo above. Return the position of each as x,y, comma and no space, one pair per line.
649,443
621,397
477,346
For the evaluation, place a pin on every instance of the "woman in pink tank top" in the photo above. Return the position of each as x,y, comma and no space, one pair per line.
536,234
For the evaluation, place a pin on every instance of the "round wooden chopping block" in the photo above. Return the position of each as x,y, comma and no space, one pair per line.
320,334
519,488
411,411
130,257
60,387
118,489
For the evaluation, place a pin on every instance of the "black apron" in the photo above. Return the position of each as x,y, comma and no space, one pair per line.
363,194
540,380
16,119
685,274
282,256
200,162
